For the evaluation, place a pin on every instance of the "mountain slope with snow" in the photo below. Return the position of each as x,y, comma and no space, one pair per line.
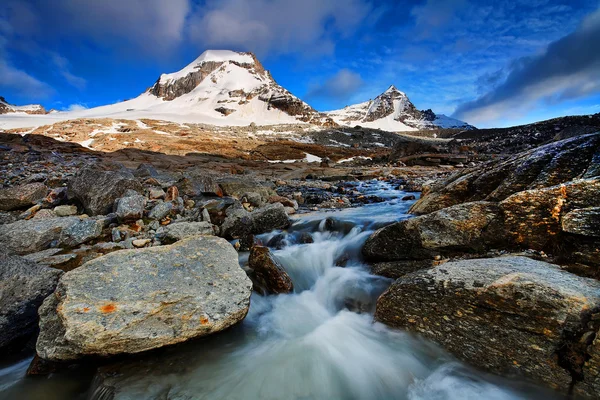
6,107
393,111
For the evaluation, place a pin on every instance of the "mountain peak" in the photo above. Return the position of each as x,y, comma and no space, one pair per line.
225,55
394,90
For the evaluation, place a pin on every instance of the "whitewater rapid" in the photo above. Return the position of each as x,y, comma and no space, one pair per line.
319,342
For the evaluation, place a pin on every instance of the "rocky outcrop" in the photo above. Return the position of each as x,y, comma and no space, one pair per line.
546,166
23,237
23,287
22,196
471,227
97,189
131,301
130,208
509,315
269,275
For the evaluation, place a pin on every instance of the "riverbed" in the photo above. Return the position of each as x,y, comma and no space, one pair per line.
319,342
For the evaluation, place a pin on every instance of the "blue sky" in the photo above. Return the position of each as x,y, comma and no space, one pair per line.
491,63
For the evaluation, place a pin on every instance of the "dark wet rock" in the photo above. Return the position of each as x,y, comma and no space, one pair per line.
397,269
131,208
145,171
268,218
116,304
98,189
278,241
23,287
508,315
470,227
23,196
23,237
181,230
582,221
269,275
56,197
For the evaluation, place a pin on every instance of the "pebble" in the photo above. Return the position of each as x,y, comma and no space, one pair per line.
139,243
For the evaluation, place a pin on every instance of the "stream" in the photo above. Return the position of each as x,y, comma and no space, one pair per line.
319,342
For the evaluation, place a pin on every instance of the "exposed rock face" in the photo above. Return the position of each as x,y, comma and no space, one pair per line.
196,183
510,315
469,227
546,166
23,237
269,275
582,221
97,189
23,286
131,301
22,196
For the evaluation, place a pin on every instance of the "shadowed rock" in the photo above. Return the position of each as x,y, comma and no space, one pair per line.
22,196
268,272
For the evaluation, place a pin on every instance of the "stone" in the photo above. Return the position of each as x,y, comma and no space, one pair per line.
56,197
582,221
181,230
131,301
30,212
269,218
198,182
65,211
470,227
81,232
30,236
156,193
45,214
532,218
284,200
270,277
237,187
255,199
507,315
23,287
139,243
22,196
97,189
397,269
161,210
544,166
131,208
205,215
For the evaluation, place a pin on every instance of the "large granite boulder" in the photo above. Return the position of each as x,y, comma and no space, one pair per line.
22,196
131,208
240,223
23,286
30,236
508,315
545,166
238,187
269,275
198,182
97,189
131,301
469,227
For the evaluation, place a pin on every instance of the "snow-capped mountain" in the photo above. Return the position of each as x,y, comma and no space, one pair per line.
393,111
227,85
6,108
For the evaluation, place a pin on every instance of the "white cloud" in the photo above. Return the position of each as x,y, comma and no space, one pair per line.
27,85
64,69
340,86
277,26
76,107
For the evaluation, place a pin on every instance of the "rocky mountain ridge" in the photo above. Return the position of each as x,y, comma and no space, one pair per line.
6,107
392,110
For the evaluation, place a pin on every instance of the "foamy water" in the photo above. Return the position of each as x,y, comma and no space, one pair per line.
319,342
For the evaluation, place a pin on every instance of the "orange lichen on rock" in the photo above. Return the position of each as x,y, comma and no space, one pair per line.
108,308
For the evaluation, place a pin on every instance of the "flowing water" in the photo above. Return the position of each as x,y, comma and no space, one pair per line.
318,343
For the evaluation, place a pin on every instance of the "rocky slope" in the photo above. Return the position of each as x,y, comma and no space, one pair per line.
6,108
393,111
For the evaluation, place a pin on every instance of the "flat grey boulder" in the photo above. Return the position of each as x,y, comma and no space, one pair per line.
30,236
508,315
97,189
23,287
181,230
131,301
22,196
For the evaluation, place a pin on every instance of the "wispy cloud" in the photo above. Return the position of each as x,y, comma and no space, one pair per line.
568,69
340,86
